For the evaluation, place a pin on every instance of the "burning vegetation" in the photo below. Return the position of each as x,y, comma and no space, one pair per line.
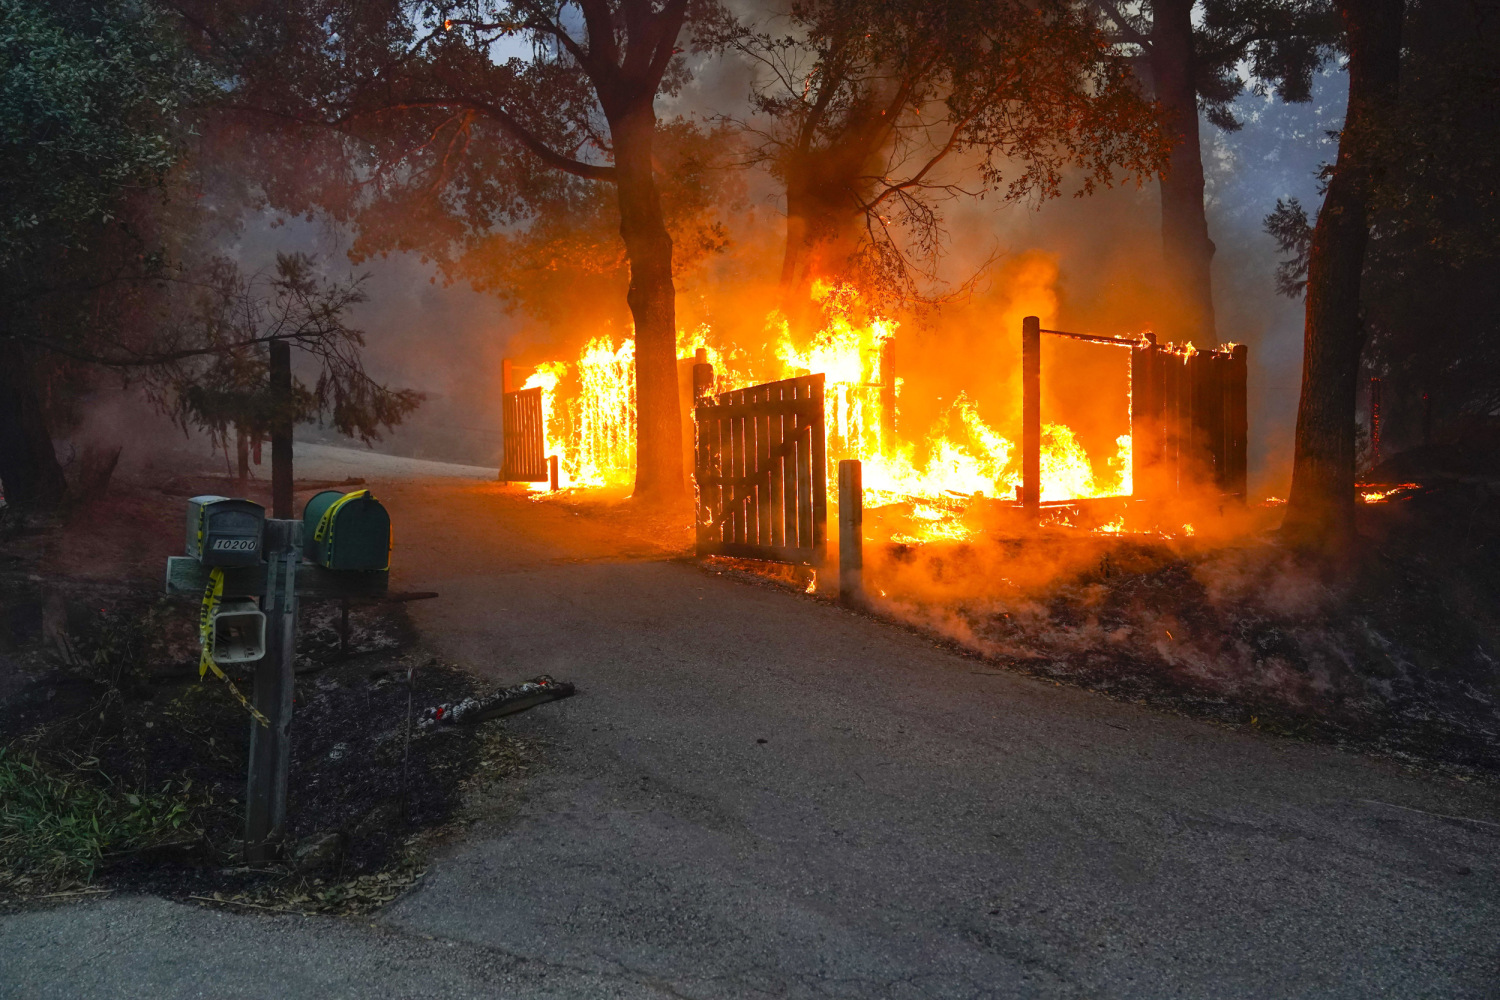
941,464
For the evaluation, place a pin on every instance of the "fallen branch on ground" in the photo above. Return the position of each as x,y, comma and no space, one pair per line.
506,701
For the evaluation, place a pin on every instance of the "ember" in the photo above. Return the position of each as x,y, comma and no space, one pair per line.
1383,494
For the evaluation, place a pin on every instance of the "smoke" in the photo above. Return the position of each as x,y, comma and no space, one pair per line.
1086,264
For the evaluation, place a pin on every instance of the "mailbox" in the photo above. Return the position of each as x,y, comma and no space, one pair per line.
348,531
237,632
224,531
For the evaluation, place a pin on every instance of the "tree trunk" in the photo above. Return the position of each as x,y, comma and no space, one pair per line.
283,420
242,453
823,197
1320,509
29,471
1187,252
652,298
826,189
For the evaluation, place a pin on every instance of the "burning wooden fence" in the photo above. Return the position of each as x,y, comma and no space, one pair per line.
1188,419
525,435
1188,422
760,470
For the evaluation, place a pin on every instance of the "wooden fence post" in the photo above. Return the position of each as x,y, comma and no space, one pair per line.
270,746
1031,416
851,532
887,392
507,376
703,376
552,472
281,429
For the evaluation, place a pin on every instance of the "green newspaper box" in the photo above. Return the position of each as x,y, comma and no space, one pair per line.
348,531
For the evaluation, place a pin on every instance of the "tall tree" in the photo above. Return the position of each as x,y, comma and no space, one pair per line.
1428,299
209,367
1189,54
873,112
459,107
1320,508
90,95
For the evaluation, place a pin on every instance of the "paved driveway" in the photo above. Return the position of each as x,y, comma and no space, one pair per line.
761,795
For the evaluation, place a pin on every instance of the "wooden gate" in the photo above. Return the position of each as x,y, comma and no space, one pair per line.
761,472
1188,423
1187,418
525,443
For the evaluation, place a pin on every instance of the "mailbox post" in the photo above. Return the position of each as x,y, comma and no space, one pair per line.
264,558
271,746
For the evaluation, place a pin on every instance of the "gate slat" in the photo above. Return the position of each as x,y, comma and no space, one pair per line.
819,465
763,533
775,486
804,482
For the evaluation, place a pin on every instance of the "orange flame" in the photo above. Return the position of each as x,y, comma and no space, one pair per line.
961,456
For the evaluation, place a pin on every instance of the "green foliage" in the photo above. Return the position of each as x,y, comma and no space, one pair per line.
58,823
211,364
121,642
419,125
1264,45
1288,225
89,101
573,244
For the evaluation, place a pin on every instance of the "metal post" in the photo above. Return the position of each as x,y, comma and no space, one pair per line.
281,429
270,747
1031,416
851,532
552,472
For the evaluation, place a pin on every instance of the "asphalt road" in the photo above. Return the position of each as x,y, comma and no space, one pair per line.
758,794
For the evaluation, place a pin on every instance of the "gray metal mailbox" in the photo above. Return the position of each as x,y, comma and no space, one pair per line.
225,531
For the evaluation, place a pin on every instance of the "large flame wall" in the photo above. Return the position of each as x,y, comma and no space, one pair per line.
958,450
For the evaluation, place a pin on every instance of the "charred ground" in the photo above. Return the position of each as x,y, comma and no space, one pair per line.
101,707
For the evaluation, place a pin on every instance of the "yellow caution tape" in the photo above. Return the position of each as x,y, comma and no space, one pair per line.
213,594
326,522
